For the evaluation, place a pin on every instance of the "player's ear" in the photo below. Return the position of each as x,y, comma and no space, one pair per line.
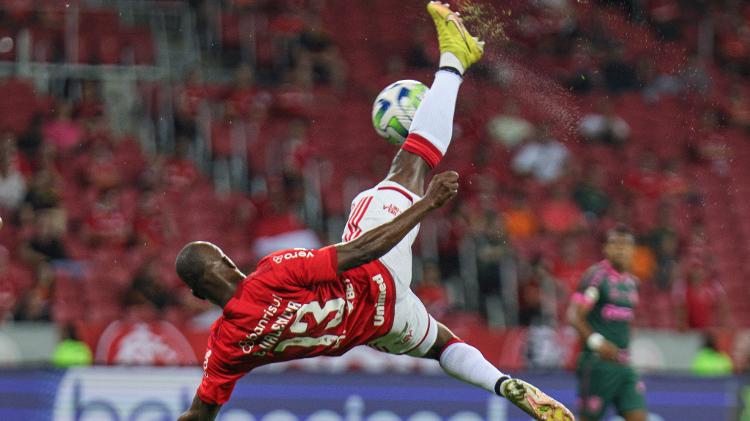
228,261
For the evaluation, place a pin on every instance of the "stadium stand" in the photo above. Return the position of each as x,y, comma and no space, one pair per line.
265,139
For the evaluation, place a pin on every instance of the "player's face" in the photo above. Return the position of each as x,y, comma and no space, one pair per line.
619,250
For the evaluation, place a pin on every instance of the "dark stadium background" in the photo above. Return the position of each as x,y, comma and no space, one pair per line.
128,128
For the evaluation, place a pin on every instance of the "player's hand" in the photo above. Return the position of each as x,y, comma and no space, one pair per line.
443,187
608,351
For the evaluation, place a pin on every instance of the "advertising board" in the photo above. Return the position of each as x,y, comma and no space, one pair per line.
160,394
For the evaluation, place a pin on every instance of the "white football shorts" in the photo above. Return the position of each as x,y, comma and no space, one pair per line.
414,330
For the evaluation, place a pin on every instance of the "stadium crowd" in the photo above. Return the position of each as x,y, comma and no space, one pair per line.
567,130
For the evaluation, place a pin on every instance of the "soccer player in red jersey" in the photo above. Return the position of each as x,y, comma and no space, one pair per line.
303,303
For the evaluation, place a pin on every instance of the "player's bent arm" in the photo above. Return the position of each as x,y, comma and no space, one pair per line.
200,411
577,313
378,241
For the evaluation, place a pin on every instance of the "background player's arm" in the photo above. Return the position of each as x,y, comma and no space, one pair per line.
200,411
378,241
578,312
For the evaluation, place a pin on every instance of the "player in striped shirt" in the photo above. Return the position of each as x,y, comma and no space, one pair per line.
602,311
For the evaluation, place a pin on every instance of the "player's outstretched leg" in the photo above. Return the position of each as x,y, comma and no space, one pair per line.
432,127
466,363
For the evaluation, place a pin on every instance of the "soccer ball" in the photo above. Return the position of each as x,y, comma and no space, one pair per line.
394,109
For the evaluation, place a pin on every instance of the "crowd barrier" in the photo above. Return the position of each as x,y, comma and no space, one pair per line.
160,394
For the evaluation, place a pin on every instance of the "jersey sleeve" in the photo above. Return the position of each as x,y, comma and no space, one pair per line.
219,375
306,267
588,291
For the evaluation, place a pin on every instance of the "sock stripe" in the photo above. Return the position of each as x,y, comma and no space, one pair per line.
449,343
422,147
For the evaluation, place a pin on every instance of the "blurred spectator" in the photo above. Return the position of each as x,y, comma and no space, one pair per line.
646,181
71,351
288,155
46,184
45,245
559,214
537,294
36,305
664,16
530,301
431,291
696,251
509,128
544,158
710,361
107,224
244,96
12,183
570,265
709,145
31,139
520,221
604,126
644,263
619,75
14,281
739,109
703,300
590,195
145,290
226,135
152,227
90,105
63,133
491,250
673,181
277,227
417,55
733,37
102,169
664,242
189,99
656,84
179,172
695,76
326,64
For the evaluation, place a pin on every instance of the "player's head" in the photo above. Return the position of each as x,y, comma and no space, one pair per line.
620,247
205,268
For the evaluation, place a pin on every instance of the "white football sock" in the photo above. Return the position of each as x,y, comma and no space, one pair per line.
433,121
448,59
467,364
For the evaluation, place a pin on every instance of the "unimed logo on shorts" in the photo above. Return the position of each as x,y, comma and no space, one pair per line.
147,394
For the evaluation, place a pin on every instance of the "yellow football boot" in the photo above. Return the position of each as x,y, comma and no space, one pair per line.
453,36
535,402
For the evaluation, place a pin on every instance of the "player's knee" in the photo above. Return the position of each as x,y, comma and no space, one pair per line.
444,338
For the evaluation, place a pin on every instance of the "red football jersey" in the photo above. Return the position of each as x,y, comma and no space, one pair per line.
294,306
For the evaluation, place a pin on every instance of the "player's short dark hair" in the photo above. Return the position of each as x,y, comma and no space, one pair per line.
620,230
191,262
